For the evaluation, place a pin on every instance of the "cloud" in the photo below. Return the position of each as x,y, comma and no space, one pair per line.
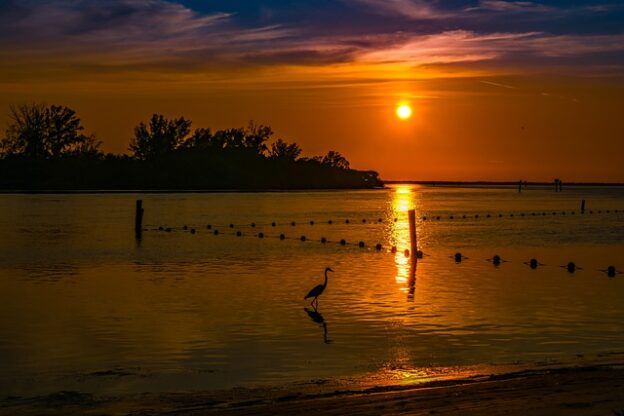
466,46
50,37
510,6
415,9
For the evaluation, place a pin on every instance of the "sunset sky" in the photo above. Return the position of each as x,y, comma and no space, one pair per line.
500,90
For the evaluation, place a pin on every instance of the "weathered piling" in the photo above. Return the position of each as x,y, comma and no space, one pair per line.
583,206
138,219
411,214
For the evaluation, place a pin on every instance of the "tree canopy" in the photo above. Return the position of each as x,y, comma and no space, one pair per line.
46,132
45,147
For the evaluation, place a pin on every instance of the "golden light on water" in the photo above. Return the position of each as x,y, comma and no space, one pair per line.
403,201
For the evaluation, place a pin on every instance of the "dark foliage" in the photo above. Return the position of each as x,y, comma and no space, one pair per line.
166,155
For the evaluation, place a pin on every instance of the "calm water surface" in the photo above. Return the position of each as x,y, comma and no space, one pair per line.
84,306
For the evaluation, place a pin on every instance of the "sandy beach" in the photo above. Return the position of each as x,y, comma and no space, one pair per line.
593,390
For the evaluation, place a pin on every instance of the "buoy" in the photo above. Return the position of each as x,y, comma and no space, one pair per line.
500,215
406,252
361,244
554,213
611,272
378,247
419,254
458,257
282,237
216,232
253,225
273,224
451,217
424,218
488,215
363,220
511,215
330,222
477,216
599,211
185,227
347,221
302,238
438,218
522,215
192,230
533,263
209,227
496,260
393,249
311,222
396,219
160,228
343,242
571,267
260,235
231,225
323,240
543,214
379,220
563,213
238,234
292,223
168,230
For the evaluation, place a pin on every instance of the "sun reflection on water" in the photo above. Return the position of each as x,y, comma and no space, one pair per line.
402,201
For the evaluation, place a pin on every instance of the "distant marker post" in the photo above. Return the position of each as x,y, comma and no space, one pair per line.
411,214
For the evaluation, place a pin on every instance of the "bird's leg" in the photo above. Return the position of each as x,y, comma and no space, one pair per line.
312,303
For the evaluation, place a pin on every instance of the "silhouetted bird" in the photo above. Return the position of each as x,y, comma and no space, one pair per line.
318,289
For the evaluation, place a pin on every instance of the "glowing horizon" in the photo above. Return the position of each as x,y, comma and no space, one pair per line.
517,90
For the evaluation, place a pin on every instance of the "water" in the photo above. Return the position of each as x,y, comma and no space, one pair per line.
83,306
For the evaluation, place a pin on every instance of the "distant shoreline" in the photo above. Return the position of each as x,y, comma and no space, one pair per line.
499,183
449,184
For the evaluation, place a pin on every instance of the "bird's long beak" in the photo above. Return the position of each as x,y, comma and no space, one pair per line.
329,269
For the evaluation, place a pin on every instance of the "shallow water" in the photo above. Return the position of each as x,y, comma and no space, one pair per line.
84,306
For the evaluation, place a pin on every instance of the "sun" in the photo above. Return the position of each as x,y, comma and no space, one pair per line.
404,111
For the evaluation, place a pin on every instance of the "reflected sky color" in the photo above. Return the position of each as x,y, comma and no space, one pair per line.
84,308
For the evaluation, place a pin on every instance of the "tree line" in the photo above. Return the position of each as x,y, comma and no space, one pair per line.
46,147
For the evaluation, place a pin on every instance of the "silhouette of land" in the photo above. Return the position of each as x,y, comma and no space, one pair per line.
44,148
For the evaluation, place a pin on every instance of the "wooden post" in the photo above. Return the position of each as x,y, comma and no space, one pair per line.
138,219
583,206
412,227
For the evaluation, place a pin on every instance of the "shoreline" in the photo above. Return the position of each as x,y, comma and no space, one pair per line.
441,184
587,389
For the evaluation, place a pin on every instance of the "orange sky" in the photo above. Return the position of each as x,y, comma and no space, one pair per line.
479,114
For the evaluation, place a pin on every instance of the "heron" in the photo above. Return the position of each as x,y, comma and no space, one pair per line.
318,289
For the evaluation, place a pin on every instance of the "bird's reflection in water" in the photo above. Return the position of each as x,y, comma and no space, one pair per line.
316,317
411,281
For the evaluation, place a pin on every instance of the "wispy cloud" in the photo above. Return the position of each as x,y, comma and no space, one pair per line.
416,9
90,36
510,6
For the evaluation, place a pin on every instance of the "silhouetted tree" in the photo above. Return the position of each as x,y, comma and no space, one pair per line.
256,136
162,137
336,160
281,150
46,132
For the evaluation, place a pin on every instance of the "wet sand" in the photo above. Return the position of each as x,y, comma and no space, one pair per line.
593,390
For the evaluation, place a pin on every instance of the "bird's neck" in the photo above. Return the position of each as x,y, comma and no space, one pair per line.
325,278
